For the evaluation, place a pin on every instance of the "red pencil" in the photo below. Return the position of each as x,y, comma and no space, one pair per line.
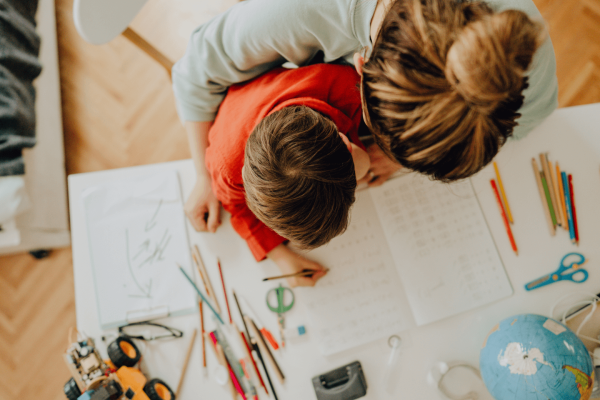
504,218
573,209
224,291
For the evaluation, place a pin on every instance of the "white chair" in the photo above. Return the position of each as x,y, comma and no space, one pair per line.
100,21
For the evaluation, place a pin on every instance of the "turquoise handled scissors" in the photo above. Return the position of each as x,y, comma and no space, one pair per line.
570,271
282,305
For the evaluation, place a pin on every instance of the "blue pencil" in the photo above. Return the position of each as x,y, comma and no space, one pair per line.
563,175
201,295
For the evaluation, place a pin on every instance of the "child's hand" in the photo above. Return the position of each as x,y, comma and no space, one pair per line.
290,262
382,167
202,207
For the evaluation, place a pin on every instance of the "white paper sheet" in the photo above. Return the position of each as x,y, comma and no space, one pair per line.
441,245
137,235
416,251
360,299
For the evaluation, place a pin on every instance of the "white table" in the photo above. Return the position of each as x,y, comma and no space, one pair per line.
571,136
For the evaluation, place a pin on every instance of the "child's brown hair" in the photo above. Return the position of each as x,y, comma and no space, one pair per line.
299,176
443,85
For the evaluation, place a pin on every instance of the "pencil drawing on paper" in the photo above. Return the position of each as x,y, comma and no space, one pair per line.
147,252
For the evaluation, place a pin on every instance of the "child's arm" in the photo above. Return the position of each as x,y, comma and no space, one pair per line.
290,262
202,207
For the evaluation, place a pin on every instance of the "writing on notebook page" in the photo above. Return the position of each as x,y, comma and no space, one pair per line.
360,294
441,246
416,251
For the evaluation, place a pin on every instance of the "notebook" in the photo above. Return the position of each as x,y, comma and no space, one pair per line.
416,252
137,236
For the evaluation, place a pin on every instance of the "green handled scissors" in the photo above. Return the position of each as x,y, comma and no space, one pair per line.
570,271
284,304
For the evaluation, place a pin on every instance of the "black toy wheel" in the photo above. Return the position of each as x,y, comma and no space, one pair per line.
158,390
123,352
72,390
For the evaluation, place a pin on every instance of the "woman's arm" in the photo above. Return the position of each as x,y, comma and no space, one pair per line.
255,36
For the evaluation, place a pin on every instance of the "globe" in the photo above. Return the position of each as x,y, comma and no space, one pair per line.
531,357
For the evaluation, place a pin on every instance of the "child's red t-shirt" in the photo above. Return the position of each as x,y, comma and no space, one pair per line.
327,88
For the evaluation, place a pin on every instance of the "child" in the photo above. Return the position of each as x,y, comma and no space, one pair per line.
442,46
284,159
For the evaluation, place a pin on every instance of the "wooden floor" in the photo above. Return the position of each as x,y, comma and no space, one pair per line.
118,111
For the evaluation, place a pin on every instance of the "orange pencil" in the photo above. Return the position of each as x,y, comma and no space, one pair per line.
504,218
501,186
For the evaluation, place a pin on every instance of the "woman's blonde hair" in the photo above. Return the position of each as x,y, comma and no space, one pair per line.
444,82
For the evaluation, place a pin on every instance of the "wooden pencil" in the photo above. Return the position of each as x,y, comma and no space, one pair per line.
548,198
301,273
538,180
224,291
561,192
572,193
185,363
202,331
558,208
504,218
503,193
205,278
264,349
547,176
569,209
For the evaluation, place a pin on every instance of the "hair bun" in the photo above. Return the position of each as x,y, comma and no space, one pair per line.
490,56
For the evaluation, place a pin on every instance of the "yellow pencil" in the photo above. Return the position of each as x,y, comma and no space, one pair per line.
501,186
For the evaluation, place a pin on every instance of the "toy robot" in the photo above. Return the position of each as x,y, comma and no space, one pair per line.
114,379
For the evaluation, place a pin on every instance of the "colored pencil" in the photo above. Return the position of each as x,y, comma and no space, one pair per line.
569,209
185,364
548,177
561,192
572,193
248,352
503,193
301,273
202,331
264,349
558,208
548,199
204,276
201,295
251,346
538,180
504,218
224,291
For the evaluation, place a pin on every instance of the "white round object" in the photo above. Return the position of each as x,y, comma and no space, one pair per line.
100,21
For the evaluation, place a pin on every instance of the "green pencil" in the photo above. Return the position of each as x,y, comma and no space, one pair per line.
548,198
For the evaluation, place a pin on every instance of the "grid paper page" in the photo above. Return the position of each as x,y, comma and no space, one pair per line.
441,246
360,299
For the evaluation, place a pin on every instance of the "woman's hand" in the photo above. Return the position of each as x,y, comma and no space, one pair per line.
382,167
202,207
290,262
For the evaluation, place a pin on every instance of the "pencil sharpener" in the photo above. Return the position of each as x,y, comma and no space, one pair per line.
344,383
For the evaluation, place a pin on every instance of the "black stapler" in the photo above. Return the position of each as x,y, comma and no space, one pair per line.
344,383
